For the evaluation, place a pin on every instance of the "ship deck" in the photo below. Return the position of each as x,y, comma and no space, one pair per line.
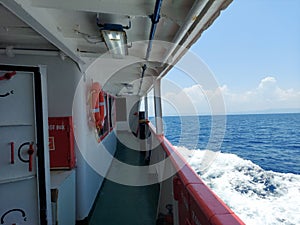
121,204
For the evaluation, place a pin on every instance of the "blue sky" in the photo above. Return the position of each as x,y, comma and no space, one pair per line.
253,49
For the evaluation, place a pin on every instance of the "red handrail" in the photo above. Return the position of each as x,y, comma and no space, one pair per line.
197,204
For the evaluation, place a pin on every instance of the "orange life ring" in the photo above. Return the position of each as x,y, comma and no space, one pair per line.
101,109
95,110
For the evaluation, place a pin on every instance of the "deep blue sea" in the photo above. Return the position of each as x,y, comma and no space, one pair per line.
271,141
257,171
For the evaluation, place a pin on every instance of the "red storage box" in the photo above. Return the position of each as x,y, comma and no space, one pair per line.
61,143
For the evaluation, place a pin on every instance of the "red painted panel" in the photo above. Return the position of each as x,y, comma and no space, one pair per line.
185,172
182,196
231,219
61,143
207,201
207,208
189,176
200,212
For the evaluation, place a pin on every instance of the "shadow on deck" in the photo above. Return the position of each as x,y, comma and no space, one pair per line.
119,204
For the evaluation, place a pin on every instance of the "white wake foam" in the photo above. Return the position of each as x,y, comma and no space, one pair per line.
255,195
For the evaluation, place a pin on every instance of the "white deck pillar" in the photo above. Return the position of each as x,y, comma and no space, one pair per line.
146,106
158,109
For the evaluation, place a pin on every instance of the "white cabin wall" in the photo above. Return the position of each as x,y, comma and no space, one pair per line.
62,79
92,165
63,76
132,103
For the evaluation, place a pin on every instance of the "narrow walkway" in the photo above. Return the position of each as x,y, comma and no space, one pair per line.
119,204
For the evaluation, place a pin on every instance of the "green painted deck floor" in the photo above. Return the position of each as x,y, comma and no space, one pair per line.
119,204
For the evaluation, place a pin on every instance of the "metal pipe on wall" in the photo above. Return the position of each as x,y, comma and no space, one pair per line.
154,19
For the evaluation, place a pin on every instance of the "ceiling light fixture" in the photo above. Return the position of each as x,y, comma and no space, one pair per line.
115,38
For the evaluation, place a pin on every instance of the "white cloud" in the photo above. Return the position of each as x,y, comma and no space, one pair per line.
194,100
267,83
268,95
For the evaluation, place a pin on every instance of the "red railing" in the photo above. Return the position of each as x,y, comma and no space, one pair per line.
197,204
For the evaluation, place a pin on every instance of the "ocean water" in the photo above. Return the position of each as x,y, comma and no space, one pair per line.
256,172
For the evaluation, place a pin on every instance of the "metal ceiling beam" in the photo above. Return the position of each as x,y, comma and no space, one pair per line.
201,17
106,6
134,8
195,11
39,20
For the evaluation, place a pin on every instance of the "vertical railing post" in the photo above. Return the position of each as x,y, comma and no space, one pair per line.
158,108
146,107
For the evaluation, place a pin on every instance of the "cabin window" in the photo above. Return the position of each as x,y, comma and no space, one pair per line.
109,115
106,113
110,109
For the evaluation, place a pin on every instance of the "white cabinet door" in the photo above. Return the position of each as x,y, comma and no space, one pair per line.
21,141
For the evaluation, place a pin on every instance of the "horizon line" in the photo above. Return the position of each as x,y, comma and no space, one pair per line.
233,114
